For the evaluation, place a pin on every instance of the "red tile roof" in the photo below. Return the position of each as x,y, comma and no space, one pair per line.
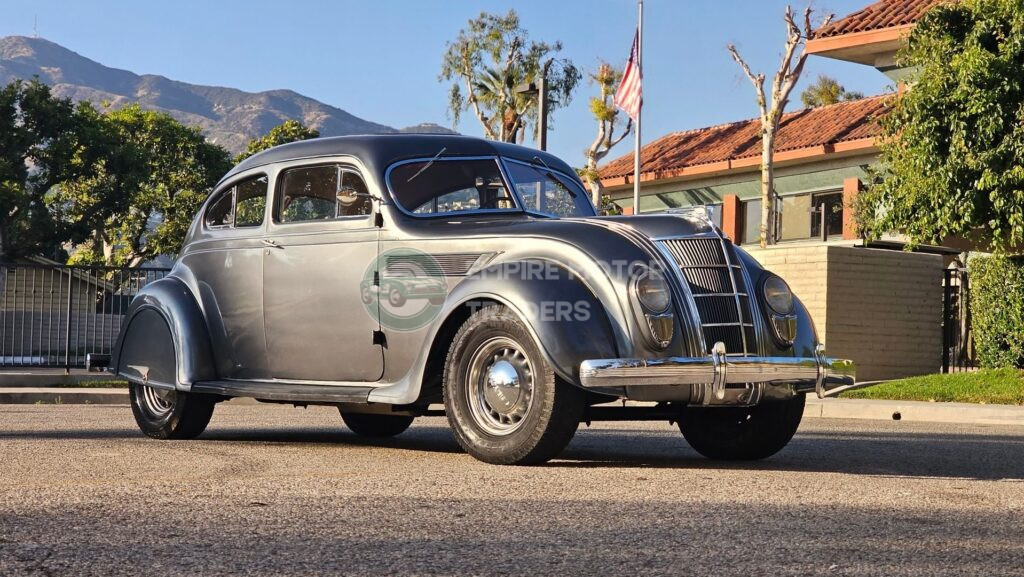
883,14
671,155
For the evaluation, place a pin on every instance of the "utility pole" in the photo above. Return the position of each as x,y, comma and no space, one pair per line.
542,107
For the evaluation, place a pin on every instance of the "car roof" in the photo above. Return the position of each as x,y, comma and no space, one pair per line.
379,151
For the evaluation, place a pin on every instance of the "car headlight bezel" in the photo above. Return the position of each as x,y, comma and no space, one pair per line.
651,295
780,304
653,292
777,295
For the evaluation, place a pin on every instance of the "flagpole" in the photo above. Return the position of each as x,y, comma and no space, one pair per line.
640,110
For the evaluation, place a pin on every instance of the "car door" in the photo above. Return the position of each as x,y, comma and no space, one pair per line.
227,255
321,244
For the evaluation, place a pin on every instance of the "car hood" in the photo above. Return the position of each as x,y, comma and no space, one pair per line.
654,226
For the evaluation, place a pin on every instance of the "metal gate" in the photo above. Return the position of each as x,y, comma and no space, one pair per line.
957,342
56,315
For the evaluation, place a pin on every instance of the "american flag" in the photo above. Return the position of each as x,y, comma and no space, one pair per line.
629,97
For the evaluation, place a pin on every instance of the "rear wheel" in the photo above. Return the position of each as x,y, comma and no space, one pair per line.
170,414
502,399
376,425
742,433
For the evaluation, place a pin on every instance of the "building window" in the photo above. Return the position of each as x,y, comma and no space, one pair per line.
831,205
799,217
751,227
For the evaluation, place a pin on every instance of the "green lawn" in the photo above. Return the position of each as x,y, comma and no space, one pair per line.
989,386
97,384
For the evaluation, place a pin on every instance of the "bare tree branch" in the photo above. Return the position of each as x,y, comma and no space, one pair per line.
612,143
471,98
783,82
756,79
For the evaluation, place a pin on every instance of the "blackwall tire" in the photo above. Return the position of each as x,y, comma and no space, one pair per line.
742,433
503,401
376,426
167,414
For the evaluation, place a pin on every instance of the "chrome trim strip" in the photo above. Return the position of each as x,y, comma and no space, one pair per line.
735,290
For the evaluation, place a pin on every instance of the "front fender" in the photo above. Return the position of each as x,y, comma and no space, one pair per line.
163,340
567,320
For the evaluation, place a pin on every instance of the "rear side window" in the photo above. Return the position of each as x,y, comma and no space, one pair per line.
323,192
242,205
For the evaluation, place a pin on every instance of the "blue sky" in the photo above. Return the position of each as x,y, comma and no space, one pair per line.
379,60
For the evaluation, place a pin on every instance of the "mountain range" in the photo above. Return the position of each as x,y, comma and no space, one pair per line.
228,116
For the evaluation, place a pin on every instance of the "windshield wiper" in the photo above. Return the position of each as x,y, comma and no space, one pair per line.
551,174
428,165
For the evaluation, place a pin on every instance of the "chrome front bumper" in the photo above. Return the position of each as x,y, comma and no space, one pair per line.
707,380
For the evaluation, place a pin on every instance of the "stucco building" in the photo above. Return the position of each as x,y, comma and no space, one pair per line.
881,307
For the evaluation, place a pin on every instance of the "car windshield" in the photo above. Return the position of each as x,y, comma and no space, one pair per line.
545,191
446,186
452,185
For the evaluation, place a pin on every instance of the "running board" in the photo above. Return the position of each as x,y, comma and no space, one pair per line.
284,392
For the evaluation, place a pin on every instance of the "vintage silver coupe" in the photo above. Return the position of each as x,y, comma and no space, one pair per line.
386,274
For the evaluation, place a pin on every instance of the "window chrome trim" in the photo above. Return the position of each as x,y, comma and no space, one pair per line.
501,169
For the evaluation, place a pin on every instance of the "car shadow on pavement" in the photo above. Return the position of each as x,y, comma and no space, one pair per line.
903,454
427,439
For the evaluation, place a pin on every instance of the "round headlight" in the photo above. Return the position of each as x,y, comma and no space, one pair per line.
653,292
778,296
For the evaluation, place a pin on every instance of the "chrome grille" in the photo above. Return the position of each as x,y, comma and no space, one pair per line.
717,284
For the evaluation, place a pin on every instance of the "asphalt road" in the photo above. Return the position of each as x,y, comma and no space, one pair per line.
283,491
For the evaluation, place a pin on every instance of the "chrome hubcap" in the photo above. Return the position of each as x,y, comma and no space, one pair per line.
500,386
157,402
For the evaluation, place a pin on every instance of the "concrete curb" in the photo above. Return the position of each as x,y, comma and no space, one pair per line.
915,411
62,396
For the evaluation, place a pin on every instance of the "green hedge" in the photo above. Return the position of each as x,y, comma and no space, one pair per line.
997,310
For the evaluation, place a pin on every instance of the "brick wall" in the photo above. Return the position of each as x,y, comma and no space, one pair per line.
881,308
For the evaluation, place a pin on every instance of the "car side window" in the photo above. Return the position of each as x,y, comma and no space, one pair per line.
241,205
322,192
221,212
250,202
543,191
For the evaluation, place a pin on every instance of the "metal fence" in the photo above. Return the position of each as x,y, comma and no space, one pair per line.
56,315
957,341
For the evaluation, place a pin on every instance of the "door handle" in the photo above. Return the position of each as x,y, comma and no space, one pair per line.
270,243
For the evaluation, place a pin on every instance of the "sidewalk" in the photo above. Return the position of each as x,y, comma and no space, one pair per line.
914,411
919,411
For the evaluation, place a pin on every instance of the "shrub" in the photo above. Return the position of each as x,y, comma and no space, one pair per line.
997,310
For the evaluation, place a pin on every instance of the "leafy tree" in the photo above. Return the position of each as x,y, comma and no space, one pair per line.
162,174
772,104
287,131
607,116
44,141
485,64
827,91
953,151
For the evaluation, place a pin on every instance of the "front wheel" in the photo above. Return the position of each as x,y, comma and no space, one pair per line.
742,433
378,426
170,414
502,399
